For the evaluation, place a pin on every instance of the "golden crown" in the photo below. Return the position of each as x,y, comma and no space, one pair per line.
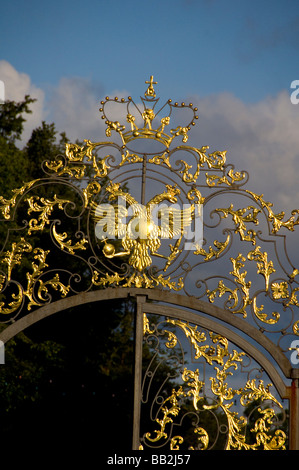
149,130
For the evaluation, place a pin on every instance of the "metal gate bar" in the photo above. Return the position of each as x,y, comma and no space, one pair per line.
141,299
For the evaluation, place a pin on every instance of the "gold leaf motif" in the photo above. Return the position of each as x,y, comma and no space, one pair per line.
280,290
167,413
265,267
135,280
276,219
172,339
108,279
67,245
226,363
240,221
14,257
293,298
221,290
296,328
196,385
175,442
252,393
128,157
146,325
240,278
258,311
55,283
220,247
12,306
45,208
203,438
195,337
213,180
92,188
7,204
261,429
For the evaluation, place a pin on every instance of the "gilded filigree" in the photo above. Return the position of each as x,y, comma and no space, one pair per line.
128,157
213,252
68,245
45,208
175,442
240,278
37,270
296,328
7,204
195,385
195,337
75,156
251,393
262,316
225,363
220,290
265,267
190,173
135,280
230,179
202,439
276,219
169,408
92,188
280,290
265,440
146,326
240,219
13,258
9,308
293,298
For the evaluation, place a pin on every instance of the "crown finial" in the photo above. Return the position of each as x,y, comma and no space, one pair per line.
150,92
150,129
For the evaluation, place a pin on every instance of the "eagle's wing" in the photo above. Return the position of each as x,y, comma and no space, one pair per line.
173,222
109,220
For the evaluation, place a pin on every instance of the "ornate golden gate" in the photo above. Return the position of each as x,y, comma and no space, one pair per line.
174,228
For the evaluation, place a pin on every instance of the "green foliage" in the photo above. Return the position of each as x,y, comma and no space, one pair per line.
12,119
43,145
72,375
24,371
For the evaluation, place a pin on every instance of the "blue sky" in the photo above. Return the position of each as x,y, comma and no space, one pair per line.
249,48
234,59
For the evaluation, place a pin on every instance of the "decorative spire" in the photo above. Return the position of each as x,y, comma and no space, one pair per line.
150,92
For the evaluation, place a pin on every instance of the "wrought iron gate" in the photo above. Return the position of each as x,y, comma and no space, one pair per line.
205,259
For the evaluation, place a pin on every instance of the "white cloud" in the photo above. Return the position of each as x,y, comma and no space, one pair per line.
74,107
17,85
261,138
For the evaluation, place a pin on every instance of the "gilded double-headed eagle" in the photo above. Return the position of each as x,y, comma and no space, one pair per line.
141,235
